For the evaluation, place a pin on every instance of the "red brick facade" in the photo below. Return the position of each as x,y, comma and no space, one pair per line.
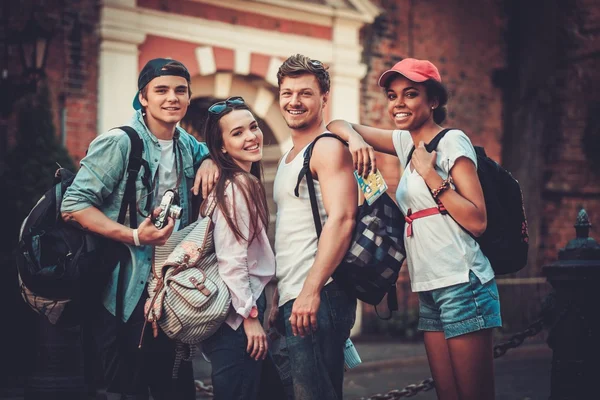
465,39
71,68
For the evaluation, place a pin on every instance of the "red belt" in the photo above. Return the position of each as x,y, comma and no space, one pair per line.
410,216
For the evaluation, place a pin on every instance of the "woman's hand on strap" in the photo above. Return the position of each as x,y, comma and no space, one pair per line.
423,162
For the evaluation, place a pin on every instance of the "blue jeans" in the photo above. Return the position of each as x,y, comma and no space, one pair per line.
317,360
235,375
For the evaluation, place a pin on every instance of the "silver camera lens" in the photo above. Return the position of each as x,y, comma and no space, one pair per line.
175,212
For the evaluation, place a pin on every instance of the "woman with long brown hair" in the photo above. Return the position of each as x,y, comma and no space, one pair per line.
246,260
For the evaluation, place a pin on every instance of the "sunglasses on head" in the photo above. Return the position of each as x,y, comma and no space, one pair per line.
220,106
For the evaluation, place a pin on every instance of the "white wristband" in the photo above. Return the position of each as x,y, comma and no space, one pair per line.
136,238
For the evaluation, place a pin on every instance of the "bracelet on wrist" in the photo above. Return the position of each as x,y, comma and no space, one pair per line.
136,238
443,186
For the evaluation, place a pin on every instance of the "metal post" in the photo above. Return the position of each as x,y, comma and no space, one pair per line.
575,336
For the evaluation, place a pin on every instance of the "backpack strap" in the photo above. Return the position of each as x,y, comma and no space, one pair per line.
129,199
133,168
431,145
305,171
392,299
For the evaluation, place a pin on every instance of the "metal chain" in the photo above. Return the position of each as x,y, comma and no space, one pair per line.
547,318
202,388
518,339
408,391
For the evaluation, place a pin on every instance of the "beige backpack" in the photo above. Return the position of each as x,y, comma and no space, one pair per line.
187,297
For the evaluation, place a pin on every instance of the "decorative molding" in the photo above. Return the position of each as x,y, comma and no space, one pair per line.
365,11
264,100
120,3
241,61
223,85
286,11
274,65
213,33
206,60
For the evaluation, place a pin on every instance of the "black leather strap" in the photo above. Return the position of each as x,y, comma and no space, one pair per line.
431,145
129,198
133,168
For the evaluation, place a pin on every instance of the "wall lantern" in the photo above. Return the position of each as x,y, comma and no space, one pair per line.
33,43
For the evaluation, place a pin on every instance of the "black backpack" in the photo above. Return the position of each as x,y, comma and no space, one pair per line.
505,242
371,265
58,260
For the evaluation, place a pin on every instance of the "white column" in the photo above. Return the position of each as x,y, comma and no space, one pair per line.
117,78
346,74
346,70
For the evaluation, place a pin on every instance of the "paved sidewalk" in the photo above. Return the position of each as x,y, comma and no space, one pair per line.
522,374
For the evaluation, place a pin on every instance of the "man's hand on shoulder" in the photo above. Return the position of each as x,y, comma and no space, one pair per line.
206,176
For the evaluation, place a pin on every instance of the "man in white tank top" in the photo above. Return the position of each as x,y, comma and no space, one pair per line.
316,313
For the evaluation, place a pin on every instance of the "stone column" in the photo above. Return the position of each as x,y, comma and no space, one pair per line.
346,74
119,68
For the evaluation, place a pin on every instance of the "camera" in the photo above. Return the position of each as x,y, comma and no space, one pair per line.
168,208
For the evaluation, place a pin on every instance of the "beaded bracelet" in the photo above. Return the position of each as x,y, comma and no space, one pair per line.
445,185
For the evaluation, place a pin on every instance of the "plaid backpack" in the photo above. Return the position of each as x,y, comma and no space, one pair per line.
505,242
371,265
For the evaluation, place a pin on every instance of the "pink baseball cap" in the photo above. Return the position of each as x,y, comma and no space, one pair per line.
413,69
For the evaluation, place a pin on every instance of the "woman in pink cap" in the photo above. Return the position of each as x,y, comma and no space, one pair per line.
458,296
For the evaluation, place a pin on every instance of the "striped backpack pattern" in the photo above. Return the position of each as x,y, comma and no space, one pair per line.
187,297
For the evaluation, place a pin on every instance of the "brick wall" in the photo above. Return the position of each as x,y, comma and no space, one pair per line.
463,39
572,176
71,68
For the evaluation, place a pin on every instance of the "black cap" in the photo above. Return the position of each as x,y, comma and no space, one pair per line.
153,69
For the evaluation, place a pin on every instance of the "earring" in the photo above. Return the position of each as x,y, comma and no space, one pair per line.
432,107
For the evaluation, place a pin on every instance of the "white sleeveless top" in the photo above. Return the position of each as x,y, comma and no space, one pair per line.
295,234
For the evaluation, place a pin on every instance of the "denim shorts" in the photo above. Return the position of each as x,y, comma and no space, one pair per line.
460,309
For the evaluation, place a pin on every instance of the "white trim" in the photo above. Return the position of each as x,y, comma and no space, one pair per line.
264,99
367,8
214,33
206,60
223,85
242,60
364,14
276,11
271,76
120,3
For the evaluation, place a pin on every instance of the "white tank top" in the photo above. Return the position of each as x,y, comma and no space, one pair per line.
295,234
